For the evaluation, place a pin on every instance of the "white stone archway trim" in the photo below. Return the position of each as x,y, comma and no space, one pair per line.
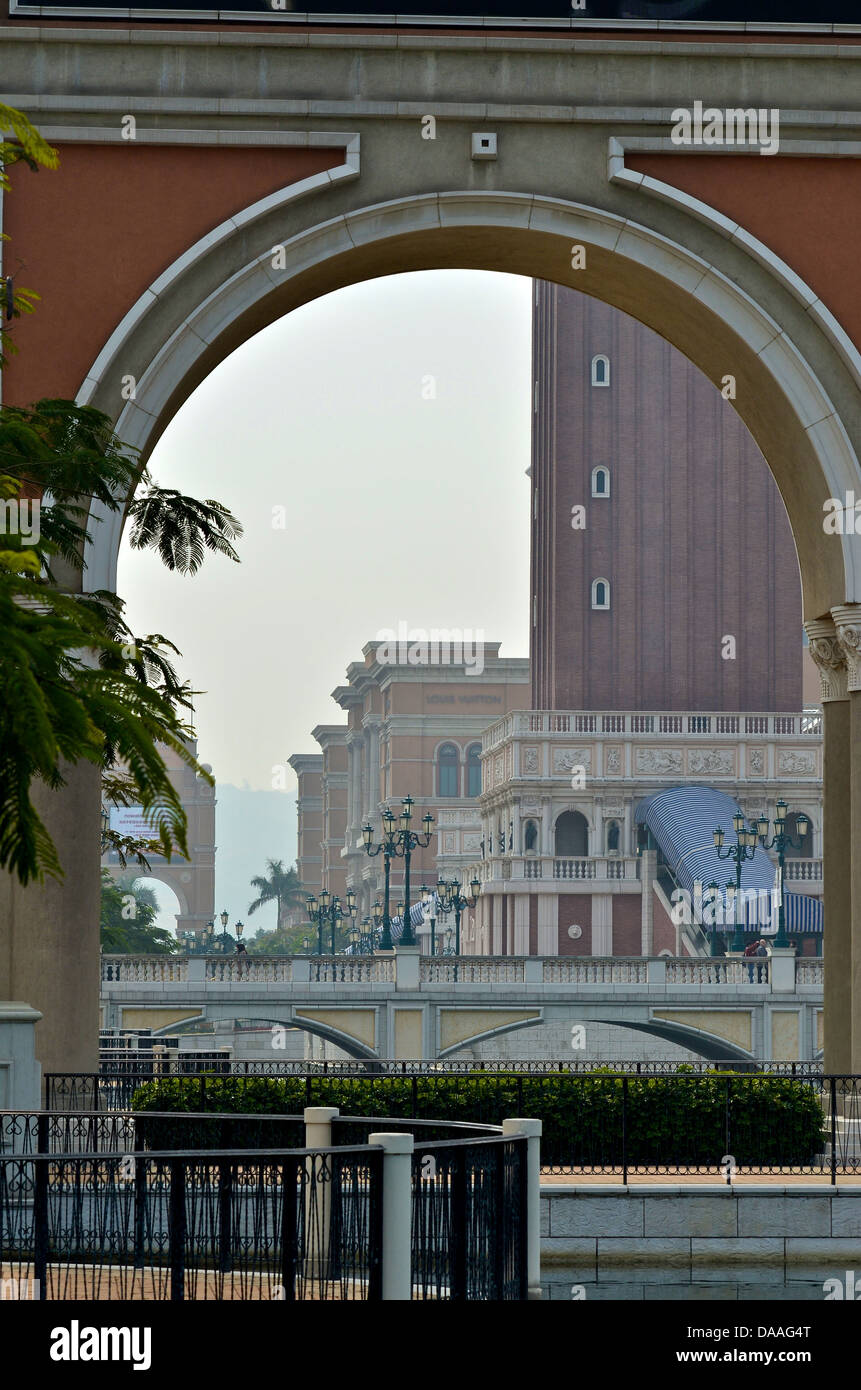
733,231
571,222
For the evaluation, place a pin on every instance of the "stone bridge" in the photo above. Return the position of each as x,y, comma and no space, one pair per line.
409,1006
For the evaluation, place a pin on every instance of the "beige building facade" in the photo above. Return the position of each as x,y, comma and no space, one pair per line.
412,729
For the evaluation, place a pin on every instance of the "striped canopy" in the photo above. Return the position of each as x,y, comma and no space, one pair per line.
682,820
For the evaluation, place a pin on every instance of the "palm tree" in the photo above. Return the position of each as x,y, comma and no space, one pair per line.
281,886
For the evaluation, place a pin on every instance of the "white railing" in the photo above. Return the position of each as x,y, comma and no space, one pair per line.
471,970
255,969
357,970
609,867
809,972
583,970
804,870
144,970
807,723
718,971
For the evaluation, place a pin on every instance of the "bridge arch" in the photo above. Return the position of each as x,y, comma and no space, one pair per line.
708,1045
183,327
348,1044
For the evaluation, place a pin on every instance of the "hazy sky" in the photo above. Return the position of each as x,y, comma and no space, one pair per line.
390,421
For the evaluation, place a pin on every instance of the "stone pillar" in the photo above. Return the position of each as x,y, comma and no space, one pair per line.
602,924
372,782
521,924
20,1077
648,872
548,924
396,1202
49,932
828,654
532,1130
847,619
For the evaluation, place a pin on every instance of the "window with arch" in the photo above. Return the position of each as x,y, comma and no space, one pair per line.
614,836
447,766
572,835
600,482
473,770
601,593
530,837
600,370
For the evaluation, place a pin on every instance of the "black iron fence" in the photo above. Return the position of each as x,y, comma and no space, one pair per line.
469,1220
296,1226
114,1084
90,1209
593,1123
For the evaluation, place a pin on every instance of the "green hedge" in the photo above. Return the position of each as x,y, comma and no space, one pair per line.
689,1119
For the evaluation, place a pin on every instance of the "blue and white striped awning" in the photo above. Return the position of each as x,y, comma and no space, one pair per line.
682,820
417,916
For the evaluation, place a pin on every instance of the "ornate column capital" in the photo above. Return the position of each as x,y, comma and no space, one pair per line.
847,620
827,652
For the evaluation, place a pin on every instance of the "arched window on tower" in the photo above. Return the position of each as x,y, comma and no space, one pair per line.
600,370
448,766
572,836
530,837
601,593
600,482
473,770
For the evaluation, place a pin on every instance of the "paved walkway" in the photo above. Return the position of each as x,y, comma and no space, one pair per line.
613,1178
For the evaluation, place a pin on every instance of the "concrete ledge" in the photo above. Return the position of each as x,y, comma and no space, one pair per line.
711,1227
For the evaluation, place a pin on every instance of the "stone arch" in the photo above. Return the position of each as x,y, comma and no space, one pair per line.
348,1044
707,1045
172,339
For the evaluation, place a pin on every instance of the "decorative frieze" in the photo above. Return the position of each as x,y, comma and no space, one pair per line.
711,762
663,762
565,759
797,764
613,761
530,759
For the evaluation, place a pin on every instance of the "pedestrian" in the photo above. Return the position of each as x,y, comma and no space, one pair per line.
749,952
241,954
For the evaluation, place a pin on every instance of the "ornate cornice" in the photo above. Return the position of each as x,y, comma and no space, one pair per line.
827,652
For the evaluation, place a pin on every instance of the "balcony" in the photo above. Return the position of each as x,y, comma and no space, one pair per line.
543,746
806,724
599,871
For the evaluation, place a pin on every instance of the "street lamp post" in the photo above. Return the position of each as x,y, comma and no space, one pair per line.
330,909
781,841
399,843
362,937
453,901
386,848
742,850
